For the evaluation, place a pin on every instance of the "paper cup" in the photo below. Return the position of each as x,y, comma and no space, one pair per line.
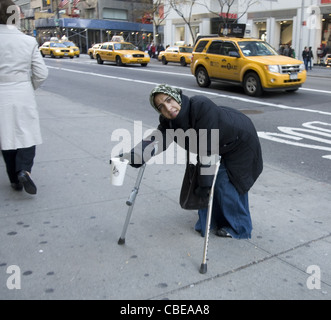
118,169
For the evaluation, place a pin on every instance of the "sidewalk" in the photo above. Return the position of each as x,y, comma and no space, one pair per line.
319,71
64,239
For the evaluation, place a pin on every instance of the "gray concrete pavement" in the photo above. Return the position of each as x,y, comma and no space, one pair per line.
64,239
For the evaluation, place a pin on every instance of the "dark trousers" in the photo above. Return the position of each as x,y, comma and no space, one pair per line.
17,160
230,209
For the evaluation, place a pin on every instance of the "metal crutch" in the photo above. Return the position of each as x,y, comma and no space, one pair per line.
130,203
203,267
133,195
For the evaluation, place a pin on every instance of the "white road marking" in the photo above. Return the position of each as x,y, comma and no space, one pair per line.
292,136
247,100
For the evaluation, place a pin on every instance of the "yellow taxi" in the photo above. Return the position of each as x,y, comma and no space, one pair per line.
180,54
328,60
121,53
251,63
56,49
71,45
91,51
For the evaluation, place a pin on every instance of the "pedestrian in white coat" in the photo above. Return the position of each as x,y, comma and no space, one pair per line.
22,70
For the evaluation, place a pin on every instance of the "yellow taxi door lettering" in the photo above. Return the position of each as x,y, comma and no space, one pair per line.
229,65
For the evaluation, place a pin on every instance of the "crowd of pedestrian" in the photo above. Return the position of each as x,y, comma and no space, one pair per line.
308,56
286,50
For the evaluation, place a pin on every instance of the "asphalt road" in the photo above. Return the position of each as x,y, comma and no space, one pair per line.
295,128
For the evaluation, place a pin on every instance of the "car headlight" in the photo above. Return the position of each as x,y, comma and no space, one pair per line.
302,67
127,56
273,68
57,50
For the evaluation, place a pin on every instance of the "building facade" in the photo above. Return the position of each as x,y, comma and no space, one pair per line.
297,23
86,22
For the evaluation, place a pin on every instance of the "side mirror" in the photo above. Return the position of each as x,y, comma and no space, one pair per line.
234,54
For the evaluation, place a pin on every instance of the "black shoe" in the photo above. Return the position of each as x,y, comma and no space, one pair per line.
17,186
28,184
223,233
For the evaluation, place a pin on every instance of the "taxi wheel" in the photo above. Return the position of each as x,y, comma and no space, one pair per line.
42,53
52,55
164,60
202,77
252,85
99,60
183,62
144,64
119,61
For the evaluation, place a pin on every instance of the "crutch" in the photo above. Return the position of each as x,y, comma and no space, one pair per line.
203,267
130,203
133,195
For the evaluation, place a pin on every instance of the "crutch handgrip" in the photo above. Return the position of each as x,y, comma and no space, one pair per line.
132,197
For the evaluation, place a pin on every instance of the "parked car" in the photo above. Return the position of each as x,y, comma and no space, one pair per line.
56,49
180,54
251,63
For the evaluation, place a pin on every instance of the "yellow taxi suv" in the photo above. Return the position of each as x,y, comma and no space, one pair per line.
179,54
71,45
251,63
121,53
56,49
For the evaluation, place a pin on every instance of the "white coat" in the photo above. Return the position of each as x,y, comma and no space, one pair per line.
22,70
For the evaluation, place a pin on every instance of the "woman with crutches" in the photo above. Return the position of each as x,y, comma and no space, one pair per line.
237,144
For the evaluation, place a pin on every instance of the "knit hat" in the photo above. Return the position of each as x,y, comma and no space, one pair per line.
175,93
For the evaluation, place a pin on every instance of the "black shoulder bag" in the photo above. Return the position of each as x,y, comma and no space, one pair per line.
188,199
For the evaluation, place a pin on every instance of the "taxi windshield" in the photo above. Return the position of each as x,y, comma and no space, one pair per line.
256,48
183,49
124,46
57,45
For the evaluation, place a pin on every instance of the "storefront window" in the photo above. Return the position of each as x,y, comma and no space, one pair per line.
326,31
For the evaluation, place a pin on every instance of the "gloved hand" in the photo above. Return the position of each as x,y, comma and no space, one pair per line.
202,192
130,157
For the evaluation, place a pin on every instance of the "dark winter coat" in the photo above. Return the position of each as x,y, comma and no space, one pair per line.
239,144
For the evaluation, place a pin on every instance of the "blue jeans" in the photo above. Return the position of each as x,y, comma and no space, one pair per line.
230,209
306,63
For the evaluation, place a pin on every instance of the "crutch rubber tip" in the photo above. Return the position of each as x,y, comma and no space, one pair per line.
203,268
121,241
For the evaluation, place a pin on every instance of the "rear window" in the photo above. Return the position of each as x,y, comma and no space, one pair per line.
201,45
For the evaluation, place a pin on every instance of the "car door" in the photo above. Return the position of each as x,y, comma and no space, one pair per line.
103,51
110,53
213,59
46,49
175,55
230,66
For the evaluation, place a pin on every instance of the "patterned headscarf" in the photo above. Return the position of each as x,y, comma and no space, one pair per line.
166,89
